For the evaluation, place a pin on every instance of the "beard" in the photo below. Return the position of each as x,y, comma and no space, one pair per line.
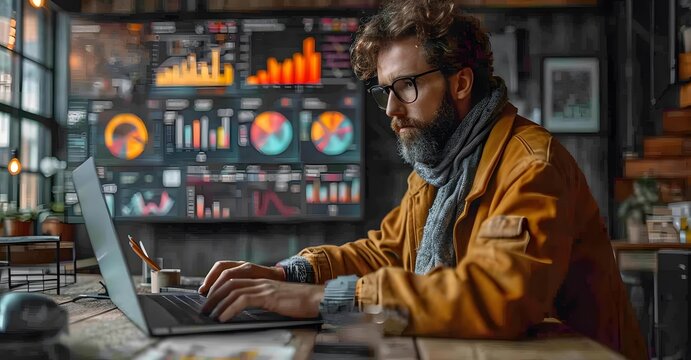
425,142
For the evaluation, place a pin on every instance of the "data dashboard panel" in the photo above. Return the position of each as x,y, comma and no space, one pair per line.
233,119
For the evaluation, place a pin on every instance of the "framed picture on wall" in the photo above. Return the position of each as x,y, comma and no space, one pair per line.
571,94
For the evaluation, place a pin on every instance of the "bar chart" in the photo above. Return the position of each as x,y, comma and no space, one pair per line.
301,68
340,192
333,190
212,196
201,134
210,209
191,72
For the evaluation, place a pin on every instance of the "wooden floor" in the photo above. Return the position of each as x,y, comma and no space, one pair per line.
98,330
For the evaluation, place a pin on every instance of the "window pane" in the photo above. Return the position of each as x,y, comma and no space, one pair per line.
8,66
29,191
36,89
8,23
4,187
35,144
4,130
36,30
8,134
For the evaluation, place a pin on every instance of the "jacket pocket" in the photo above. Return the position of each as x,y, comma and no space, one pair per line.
507,232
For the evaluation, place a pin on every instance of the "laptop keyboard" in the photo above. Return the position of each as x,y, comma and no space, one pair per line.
187,308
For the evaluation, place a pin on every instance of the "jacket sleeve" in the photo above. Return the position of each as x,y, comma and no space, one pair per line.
381,248
509,276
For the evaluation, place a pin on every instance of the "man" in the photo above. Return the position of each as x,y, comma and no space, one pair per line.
497,230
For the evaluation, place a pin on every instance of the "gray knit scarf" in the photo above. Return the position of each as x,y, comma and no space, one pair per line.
454,175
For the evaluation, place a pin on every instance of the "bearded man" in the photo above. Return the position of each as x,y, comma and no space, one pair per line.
498,229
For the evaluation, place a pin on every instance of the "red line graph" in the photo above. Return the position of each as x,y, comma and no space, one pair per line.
262,200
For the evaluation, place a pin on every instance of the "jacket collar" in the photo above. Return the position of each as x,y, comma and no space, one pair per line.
492,151
494,148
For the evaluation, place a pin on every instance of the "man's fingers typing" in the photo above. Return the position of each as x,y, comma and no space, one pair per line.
256,299
233,296
214,273
221,289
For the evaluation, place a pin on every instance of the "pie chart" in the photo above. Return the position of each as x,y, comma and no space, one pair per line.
271,133
126,136
332,133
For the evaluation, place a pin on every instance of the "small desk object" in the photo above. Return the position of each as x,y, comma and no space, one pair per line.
8,241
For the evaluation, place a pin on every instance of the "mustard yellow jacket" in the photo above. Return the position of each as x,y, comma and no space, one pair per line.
530,245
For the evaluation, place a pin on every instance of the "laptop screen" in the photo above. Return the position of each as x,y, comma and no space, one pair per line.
106,244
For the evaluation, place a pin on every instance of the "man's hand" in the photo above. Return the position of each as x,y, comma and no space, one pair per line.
223,271
289,299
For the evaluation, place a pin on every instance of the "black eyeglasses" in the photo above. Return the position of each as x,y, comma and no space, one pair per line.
404,88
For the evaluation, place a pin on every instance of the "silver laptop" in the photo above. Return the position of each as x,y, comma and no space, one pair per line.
155,314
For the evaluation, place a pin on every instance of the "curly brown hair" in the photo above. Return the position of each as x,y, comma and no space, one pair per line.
450,39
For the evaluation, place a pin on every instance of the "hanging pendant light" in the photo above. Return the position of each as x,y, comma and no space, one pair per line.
14,166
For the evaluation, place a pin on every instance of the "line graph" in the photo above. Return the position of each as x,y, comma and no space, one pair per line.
262,200
143,204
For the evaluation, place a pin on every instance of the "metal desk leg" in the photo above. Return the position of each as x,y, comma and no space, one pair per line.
74,259
57,264
9,269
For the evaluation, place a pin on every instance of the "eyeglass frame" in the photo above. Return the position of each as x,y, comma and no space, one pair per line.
390,88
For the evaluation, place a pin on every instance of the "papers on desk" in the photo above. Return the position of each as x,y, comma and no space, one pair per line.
261,345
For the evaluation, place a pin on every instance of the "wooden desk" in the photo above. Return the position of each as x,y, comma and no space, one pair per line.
99,330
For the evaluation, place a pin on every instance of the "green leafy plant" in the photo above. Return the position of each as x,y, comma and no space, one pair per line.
57,207
11,213
645,195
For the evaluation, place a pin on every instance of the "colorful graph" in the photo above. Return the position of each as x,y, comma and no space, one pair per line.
302,68
126,136
200,135
332,133
333,192
271,133
262,200
216,211
192,73
141,204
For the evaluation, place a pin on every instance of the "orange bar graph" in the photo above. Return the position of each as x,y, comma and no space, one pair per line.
196,134
299,62
263,77
192,73
287,72
274,71
301,68
308,46
314,68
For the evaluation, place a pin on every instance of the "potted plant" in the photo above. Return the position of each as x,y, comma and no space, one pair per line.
19,222
634,209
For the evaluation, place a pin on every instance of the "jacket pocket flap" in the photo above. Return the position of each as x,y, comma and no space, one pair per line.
502,226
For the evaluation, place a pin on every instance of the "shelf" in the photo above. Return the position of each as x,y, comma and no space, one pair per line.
626,246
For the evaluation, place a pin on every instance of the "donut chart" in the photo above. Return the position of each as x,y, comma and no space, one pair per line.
332,133
271,133
126,136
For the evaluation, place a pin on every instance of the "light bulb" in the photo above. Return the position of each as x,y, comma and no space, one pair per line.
14,167
36,3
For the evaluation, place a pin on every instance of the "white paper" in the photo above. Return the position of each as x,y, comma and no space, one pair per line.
263,345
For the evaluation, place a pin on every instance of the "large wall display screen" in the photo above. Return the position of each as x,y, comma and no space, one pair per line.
234,119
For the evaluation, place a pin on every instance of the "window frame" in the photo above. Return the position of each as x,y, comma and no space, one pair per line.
16,111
